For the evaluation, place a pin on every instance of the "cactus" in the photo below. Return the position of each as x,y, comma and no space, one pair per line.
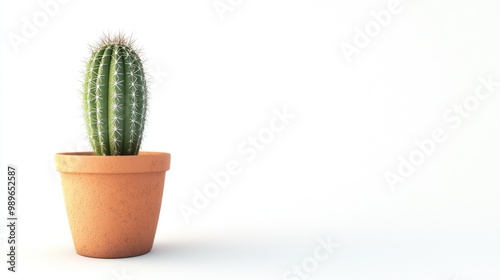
115,97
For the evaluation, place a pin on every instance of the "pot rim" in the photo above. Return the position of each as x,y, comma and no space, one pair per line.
87,162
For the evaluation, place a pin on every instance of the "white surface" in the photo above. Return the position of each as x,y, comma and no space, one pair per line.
323,175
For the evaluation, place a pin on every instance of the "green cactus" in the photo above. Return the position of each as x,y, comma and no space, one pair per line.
115,97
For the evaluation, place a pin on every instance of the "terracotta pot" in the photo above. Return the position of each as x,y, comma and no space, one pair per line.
113,202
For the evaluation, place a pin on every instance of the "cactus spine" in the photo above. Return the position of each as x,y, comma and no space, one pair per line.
115,97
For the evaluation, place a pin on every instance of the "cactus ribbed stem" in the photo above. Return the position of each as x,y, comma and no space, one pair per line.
115,98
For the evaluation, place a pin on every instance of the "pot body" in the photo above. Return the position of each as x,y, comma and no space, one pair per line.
113,202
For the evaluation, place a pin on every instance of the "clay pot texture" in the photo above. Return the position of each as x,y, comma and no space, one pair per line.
113,202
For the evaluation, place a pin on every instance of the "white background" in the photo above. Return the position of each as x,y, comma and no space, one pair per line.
322,176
